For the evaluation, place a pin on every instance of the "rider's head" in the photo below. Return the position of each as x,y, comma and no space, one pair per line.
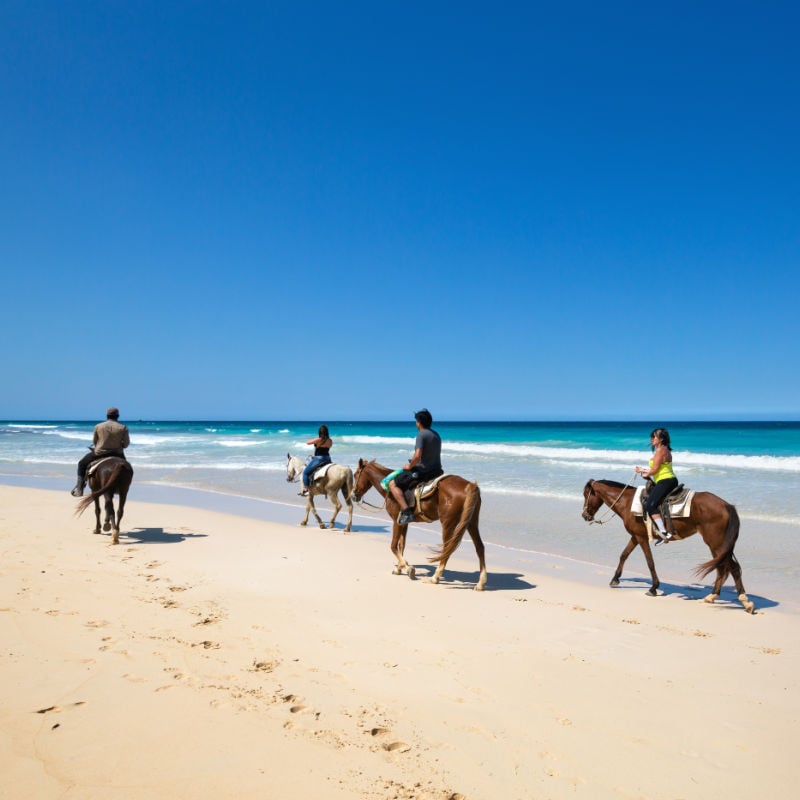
661,435
323,432
423,416
112,413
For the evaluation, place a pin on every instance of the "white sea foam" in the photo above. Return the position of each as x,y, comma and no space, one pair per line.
25,426
238,442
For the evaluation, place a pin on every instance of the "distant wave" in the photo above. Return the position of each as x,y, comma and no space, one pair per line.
238,442
580,456
28,425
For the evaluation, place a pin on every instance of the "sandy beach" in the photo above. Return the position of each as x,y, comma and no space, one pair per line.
209,655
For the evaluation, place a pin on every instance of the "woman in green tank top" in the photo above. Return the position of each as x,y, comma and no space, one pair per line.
661,473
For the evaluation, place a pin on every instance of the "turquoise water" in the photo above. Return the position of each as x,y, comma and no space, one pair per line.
531,474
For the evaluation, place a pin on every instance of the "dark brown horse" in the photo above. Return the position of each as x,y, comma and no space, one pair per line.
715,520
456,503
111,476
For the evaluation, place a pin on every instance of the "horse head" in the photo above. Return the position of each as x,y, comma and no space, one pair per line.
591,501
361,482
294,467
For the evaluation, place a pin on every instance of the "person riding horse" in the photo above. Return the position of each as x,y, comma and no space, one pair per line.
661,474
322,455
424,465
110,439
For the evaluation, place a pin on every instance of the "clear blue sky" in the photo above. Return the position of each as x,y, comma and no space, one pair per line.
346,210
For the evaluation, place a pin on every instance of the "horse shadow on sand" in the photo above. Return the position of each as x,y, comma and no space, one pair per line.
696,591
455,579
157,536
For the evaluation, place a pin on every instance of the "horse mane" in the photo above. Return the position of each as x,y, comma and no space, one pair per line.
613,484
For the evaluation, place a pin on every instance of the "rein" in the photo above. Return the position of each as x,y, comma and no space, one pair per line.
610,509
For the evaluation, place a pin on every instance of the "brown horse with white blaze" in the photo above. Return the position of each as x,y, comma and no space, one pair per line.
456,503
712,517
112,475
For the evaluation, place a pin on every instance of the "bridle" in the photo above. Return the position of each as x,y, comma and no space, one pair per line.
362,502
610,509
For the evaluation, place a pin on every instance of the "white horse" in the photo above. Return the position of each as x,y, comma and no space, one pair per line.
336,477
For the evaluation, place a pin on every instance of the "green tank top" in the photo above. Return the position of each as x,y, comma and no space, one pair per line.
664,471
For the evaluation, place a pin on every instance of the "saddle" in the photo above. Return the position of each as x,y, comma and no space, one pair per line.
416,494
676,505
320,471
95,464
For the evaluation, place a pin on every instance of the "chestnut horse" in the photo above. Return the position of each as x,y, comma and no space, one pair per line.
112,475
716,520
456,503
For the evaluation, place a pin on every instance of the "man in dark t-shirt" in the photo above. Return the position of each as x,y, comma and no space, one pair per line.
424,465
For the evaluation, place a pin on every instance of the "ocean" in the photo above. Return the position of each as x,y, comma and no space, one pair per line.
531,476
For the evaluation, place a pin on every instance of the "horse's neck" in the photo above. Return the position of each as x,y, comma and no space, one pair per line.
376,477
616,497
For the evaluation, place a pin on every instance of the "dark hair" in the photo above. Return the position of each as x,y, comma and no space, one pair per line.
662,434
323,432
112,413
423,416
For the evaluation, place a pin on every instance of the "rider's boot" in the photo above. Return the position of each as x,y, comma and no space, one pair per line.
79,486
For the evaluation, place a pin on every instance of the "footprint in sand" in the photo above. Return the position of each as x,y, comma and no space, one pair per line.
97,623
298,707
59,709
207,645
152,565
263,666
390,747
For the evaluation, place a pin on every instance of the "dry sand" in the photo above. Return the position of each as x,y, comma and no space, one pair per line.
212,656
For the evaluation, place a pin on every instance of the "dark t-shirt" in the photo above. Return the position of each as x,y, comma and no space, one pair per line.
429,442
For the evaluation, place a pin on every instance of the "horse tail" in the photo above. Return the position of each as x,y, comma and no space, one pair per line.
726,557
110,481
472,498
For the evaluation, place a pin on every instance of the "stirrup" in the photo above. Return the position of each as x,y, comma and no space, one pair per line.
405,516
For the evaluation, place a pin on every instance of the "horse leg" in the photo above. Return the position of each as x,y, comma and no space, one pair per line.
736,572
337,506
349,501
97,514
448,527
623,557
475,533
120,511
398,546
109,506
310,505
648,555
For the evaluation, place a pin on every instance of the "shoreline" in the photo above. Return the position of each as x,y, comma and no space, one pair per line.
210,655
674,565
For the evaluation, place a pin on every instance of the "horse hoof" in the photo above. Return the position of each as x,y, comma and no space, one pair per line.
652,592
479,587
710,598
107,527
614,582
412,573
748,605
303,524
397,571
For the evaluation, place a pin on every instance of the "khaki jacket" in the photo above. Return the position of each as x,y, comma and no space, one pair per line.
110,435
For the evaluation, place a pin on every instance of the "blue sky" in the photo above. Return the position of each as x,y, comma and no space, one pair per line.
296,210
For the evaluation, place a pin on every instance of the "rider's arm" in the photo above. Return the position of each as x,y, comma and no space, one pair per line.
414,460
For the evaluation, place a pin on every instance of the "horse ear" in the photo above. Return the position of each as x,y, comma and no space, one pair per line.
288,456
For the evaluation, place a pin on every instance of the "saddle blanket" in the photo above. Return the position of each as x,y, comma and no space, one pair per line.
95,464
320,471
680,505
